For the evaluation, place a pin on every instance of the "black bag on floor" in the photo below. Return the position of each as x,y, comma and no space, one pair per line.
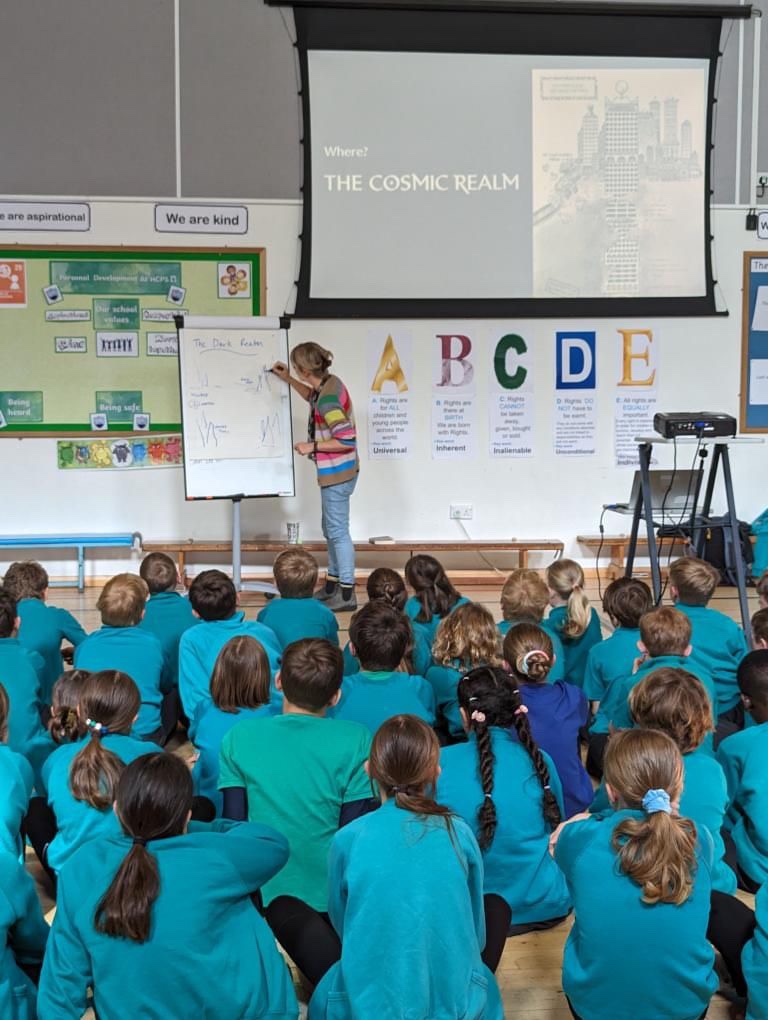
718,547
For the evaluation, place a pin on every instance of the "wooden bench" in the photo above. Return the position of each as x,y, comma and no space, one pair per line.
78,542
401,547
616,547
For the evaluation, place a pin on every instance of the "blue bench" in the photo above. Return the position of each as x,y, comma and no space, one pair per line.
78,542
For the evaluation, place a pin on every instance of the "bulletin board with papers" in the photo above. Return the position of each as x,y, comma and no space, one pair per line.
754,344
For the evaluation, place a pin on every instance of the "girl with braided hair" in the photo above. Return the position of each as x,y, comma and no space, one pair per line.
510,794
81,777
557,712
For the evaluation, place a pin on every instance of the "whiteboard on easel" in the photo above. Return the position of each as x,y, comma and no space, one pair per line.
236,415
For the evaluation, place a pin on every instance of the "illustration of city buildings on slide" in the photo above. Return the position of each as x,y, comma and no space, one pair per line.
618,185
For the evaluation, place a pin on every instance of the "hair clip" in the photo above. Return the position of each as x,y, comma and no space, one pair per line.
488,796
547,786
97,727
478,716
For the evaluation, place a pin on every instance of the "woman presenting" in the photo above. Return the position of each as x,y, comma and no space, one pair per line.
332,444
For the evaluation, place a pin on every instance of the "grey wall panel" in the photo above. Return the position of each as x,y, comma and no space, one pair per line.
239,107
87,90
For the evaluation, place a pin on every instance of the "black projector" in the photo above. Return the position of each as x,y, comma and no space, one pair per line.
698,424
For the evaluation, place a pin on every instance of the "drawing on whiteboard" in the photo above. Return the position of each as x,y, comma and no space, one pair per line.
230,409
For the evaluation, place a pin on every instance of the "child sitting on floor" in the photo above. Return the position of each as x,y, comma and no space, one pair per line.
434,596
42,628
296,614
556,712
718,642
625,602
524,599
379,637
167,614
239,690
467,638
576,623
387,586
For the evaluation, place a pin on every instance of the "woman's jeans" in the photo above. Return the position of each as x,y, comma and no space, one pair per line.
341,552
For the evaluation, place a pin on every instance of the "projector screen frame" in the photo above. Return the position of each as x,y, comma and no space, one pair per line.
578,29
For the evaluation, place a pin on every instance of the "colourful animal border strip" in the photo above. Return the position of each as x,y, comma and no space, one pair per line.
121,454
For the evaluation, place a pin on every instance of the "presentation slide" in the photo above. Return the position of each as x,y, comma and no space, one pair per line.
486,176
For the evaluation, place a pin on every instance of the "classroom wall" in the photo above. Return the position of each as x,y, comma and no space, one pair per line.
543,496
102,108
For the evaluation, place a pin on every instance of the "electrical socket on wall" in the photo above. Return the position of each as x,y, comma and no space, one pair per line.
461,511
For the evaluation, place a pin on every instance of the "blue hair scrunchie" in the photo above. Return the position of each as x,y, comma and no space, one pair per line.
657,800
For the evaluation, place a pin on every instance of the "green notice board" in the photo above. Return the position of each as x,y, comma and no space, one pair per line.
91,331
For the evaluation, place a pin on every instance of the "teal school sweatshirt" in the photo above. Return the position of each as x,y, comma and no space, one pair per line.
20,676
744,757
576,649
625,959
610,660
404,882
719,646
371,698
294,619
133,651
42,630
209,954
517,864
168,615
754,960
16,783
23,937
199,648
78,821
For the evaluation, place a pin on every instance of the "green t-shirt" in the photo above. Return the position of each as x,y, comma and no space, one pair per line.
297,771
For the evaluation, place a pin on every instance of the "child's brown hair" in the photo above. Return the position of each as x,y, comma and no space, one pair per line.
524,596
109,703
435,593
311,673
122,600
26,579
529,653
404,762
5,708
665,631
241,675
295,573
694,580
566,579
468,636
658,851
675,702
65,724
760,627
626,600
381,636
386,585
159,573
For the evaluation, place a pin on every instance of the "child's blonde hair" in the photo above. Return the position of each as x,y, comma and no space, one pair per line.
566,579
295,573
676,702
665,631
468,635
524,596
122,600
694,580
658,851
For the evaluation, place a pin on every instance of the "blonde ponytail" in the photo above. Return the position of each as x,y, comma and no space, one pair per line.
566,579
644,769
